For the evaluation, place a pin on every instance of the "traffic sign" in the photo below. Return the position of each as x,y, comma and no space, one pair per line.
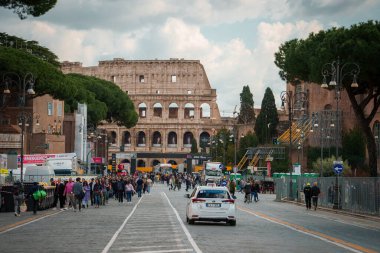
338,167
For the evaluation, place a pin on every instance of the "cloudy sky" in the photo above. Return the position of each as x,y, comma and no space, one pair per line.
235,40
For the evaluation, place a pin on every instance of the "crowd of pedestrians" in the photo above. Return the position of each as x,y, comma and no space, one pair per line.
97,191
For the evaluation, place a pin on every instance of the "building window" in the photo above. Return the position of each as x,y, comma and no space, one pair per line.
189,111
173,111
157,110
188,92
142,110
174,78
59,109
126,92
50,108
157,91
141,79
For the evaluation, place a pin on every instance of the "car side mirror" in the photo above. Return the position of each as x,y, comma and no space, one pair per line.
187,195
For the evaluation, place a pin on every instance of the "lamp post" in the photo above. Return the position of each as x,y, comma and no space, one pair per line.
338,72
25,87
290,99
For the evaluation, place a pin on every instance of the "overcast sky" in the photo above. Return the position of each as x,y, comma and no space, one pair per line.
235,40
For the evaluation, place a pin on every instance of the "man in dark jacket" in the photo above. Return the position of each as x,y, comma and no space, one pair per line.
60,189
315,191
32,190
307,193
78,193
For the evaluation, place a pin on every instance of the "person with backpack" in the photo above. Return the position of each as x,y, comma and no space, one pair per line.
315,191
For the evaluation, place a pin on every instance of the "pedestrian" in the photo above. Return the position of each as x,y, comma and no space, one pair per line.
120,190
256,191
55,202
78,193
70,198
129,190
60,187
232,187
307,193
315,191
91,184
149,183
188,182
247,191
139,186
97,191
35,187
87,194
18,196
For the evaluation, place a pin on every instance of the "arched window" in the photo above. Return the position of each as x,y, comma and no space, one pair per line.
173,111
157,110
142,110
141,139
172,162
187,139
172,140
189,111
205,110
155,162
204,140
127,138
156,140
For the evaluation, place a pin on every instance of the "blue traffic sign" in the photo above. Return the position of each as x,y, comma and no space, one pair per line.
338,167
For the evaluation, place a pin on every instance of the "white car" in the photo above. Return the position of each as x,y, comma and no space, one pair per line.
211,203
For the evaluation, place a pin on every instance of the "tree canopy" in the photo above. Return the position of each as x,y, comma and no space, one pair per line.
247,112
105,100
267,120
303,60
24,8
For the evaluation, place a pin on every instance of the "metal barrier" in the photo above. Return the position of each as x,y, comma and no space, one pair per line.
356,195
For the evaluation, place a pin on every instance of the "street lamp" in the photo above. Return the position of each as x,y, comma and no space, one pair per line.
24,87
290,99
338,72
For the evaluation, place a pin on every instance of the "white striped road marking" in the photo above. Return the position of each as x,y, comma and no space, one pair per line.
113,239
191,240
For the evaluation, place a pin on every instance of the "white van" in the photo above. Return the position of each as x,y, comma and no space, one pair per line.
38,174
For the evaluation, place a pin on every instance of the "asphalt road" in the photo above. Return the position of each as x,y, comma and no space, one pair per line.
156,223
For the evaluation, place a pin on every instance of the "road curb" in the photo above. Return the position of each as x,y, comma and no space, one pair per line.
369,217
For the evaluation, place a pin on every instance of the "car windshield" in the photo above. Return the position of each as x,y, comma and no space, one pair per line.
220,194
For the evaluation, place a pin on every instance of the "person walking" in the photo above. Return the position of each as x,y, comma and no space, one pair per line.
91,184
60,188
87,194
35,187
97,192
315,191
129,190
256,191
307,193
70,198
139,186
232,187
120,190
18,196
247,191
149,183
78,193
55,202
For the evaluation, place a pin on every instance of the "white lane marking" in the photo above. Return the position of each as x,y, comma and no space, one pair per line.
27,223
113,239
303,232
164,251
191,240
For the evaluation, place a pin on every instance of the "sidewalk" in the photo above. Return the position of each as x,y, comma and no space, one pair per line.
337,211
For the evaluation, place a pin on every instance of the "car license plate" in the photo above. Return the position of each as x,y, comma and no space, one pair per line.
213,204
